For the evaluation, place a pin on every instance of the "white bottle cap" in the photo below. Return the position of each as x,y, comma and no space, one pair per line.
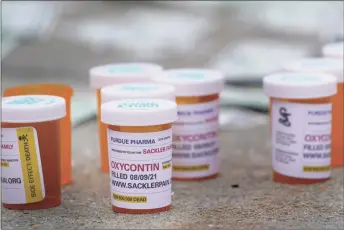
137,90
111,74
334,50
193,82
139,112
32,108
318,65
299,85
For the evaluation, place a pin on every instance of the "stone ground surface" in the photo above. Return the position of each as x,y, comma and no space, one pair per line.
256,204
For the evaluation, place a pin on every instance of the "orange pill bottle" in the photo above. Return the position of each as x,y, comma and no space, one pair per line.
112,74
59,90
335,68
134,91
195,133
140,153
301,126
30,144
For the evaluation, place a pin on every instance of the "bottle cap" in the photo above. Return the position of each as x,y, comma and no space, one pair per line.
318,65
111,74
193,82
297,85
333,50
137,90
139,112
32,108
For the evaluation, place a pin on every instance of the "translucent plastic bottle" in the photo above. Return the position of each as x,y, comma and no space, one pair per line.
301,120
112,74
133,90
59,90
195,133
335,68
30,144
140,153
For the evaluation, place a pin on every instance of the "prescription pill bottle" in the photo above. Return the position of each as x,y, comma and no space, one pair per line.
195,133
30,145
333,50
133,90
140,153
301,120
59,90
335,68
111,74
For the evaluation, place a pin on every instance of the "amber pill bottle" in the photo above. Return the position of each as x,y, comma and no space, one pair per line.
112,74
134,91
59,90
335,51
301,126
195,133
333,67
30,160
140,153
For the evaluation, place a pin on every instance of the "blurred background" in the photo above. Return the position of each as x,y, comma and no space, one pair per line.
60,41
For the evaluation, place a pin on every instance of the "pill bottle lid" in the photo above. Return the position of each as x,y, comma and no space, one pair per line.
139,112
193,82
333,50
117,73
299,85
320,65
32,108
137,90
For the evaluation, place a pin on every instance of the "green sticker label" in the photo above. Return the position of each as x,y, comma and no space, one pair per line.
300,78
31,101
138,105
139,88
191,75
125,69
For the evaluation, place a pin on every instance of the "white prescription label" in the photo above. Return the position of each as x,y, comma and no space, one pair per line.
189,114
140,169
195,150
195,140
301,136
22,178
